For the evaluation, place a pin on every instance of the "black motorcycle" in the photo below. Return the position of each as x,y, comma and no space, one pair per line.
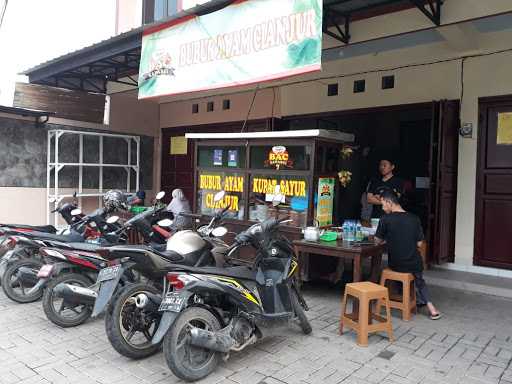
71,270
210,312
8,231
132,316
19,270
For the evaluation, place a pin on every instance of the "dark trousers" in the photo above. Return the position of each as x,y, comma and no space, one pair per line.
422,295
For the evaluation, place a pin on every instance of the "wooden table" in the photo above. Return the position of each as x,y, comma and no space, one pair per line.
344,250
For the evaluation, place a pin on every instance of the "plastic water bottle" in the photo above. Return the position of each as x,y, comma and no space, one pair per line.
350,231
359,232
344,229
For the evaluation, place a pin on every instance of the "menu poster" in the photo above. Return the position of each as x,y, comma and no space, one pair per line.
504,134
217,156
233,158
324,207
178,145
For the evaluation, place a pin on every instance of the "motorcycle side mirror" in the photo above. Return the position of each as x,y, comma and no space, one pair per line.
165,223
219,196
160,195
112,219
219,231
76,212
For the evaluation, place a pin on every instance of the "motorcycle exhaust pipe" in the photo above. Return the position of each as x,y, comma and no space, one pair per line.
27,276
148,301
214,341
73,294
40,285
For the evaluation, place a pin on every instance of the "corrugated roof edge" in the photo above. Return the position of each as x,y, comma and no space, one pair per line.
199,9
92,47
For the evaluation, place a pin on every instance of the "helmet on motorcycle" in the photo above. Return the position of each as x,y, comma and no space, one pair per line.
114,200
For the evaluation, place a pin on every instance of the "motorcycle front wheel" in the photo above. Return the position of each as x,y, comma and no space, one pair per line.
130,329
188,362
17,289
57,310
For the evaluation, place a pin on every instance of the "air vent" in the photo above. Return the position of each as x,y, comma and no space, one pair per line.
359,86
388,82
332,89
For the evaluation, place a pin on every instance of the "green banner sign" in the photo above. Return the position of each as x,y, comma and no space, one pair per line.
247,42
325,201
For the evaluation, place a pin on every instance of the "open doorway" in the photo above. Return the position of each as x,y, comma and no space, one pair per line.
414,136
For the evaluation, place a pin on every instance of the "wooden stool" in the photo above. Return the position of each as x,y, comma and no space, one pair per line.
362,316
406,302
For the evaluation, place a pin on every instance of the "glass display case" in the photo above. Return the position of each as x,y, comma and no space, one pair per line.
300,166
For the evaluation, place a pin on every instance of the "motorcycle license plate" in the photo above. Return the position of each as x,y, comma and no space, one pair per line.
108,273
172,302
45,271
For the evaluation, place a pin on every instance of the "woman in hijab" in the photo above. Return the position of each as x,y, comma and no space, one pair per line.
179,204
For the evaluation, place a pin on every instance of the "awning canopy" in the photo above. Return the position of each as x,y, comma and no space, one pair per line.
117,59
91,68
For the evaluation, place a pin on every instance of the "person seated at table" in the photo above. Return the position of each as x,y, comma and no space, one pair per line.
403,235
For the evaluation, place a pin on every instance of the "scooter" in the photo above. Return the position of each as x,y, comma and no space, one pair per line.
7,243
19,268
69,275
131,323
209,312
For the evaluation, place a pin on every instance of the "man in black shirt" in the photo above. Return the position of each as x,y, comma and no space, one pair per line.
387,181
403,235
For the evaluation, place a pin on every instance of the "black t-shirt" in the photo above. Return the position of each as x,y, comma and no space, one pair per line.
394,183
402,231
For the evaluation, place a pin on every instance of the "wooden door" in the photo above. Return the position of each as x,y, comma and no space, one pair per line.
443,165
493,219
177,170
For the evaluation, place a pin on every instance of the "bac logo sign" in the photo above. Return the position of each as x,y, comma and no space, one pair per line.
279,157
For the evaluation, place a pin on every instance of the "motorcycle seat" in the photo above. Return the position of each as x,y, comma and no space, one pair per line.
40,228
48,236
87,247
169,255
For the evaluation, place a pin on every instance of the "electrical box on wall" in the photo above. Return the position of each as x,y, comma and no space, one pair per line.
466,130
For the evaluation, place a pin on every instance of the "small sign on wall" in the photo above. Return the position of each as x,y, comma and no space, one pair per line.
504,134
179,145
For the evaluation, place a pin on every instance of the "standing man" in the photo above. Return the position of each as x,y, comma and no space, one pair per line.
387,180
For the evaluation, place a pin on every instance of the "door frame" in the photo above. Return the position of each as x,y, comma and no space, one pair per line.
484,104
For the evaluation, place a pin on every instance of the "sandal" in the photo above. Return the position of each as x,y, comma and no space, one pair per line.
436,316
